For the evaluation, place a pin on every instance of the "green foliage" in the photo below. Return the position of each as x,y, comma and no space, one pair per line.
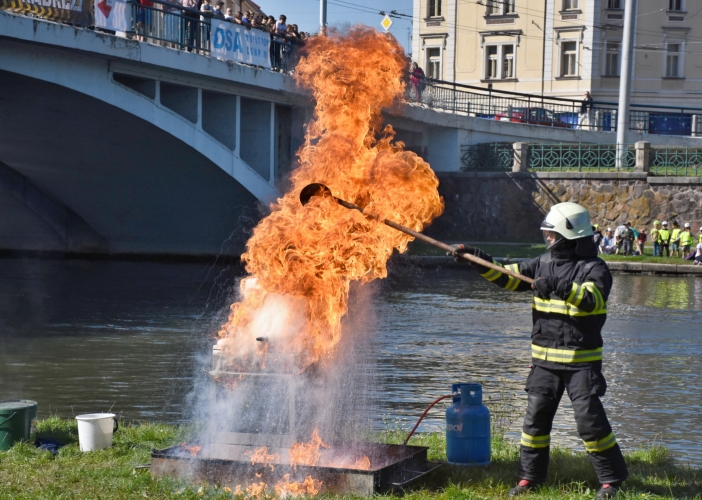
114,474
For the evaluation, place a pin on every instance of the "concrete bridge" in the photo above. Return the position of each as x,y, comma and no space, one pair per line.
114,146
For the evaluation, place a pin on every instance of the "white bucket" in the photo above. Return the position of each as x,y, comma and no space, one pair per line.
95,430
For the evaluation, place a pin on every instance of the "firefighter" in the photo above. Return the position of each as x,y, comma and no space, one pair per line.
569,309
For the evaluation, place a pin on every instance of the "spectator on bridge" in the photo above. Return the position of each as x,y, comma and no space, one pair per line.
609,244
417,81
247,19
654,238
229,17
280,26
145,18
218,10
584,120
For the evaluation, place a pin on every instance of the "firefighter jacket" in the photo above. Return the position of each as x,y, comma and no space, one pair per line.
567,326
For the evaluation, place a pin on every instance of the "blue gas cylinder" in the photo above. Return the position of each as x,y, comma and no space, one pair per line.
468,427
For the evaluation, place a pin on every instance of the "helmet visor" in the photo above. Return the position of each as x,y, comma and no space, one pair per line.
551,238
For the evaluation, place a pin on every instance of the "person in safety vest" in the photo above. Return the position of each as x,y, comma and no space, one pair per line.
685,241
675,240
569,309
654,238
664,238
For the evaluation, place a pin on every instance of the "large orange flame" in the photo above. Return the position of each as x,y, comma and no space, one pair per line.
302,260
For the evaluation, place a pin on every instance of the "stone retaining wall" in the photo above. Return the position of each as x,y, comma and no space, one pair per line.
509,206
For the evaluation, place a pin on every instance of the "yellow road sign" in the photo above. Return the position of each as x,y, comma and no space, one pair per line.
386,22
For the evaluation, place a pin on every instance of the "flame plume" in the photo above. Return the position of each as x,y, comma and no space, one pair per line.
302,260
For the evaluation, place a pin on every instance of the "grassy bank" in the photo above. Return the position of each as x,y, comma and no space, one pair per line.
28,473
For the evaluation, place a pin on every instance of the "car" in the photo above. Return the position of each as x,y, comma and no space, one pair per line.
532,116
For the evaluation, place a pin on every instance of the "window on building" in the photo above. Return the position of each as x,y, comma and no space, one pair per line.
570,4
434,63
569,59
499,62
672,61
675,5
612,58
500,7
492,65
434,8
614,4
508,61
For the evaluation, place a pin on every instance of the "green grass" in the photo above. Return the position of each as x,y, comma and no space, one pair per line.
27,473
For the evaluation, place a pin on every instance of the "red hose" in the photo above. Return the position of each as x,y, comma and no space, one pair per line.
427,411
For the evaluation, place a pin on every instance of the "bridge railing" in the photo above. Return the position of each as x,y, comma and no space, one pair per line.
578,157
554,112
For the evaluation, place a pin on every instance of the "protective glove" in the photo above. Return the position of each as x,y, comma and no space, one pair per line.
543,286
552,284
477,252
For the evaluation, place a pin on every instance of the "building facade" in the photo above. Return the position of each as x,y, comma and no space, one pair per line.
563,48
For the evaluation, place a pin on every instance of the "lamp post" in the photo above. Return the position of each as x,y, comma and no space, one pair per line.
322,15
625,81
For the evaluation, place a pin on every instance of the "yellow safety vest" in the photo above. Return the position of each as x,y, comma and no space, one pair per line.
654,234
663,236
675,236
686,239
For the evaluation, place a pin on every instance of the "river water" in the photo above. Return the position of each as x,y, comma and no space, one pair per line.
82,336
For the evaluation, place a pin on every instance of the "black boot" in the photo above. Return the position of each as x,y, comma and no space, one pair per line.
524,487
608,491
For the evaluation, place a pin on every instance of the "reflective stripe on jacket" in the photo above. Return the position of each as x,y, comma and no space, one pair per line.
567,332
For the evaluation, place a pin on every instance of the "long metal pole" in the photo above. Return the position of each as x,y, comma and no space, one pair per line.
625,80
322,14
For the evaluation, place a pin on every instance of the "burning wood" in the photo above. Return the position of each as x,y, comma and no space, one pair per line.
192,449
261,456
307,453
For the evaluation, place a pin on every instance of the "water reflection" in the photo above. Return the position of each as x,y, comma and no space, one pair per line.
86,336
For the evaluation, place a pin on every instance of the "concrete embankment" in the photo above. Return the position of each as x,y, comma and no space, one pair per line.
615,267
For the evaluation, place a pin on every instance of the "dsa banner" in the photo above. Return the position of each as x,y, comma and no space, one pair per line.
115,15
78,12
234,42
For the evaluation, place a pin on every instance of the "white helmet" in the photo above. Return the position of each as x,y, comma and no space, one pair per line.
570,220
687,224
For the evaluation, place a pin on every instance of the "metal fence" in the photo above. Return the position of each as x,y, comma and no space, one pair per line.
555,112
489,157
172,25
578,158
676,161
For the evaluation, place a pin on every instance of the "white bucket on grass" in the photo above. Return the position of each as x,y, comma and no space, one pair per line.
95,430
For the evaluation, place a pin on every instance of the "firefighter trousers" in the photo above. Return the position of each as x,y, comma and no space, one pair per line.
545,388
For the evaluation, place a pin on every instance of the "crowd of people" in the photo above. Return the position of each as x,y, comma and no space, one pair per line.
678,242
190,31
